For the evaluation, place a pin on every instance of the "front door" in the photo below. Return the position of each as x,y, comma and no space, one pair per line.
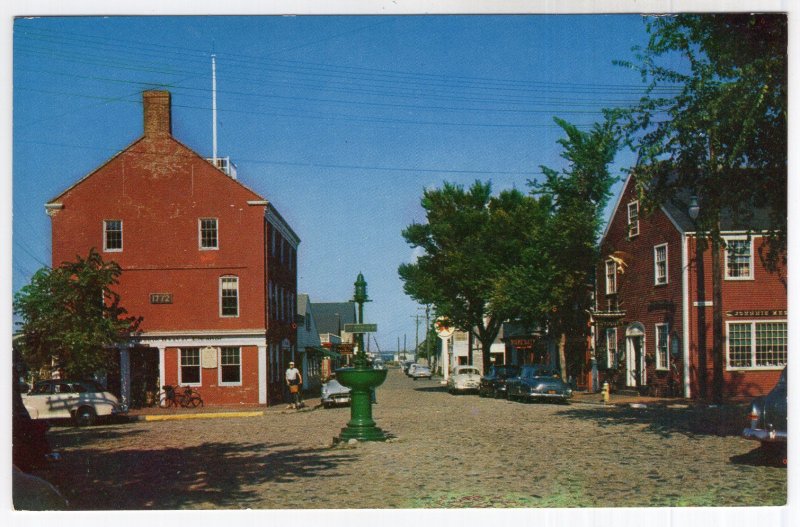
634,361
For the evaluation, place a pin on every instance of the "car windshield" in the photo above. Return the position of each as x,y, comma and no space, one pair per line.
471,371
42,387
507,371
529,372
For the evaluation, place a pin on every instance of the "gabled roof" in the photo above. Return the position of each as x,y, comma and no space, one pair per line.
330,317
677,210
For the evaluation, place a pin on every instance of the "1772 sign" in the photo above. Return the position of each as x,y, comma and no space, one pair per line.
160,298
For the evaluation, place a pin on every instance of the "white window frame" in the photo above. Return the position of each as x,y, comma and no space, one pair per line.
222,279
611,360
662,356
656,262
609,289
633,227
752,324
199,367
200,234
105,237
219,367
751,275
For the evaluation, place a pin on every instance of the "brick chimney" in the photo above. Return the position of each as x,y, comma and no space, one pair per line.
157,110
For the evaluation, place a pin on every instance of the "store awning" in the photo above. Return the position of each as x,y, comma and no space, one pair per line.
325,352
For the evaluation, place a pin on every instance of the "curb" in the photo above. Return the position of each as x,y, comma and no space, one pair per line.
208,415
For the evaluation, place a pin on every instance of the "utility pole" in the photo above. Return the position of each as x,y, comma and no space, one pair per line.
427,335
404,343
398,345
417,319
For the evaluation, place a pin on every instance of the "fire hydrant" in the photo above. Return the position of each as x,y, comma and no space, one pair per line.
606,392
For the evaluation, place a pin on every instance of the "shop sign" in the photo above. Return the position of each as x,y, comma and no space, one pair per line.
757,313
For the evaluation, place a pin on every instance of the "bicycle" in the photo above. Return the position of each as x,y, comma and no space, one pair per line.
172,397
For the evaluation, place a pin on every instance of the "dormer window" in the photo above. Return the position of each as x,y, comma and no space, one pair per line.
633,219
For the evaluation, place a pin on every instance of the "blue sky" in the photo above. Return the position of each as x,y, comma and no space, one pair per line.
340,121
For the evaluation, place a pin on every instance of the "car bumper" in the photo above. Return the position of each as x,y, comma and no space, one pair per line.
765,436
549,396
335,400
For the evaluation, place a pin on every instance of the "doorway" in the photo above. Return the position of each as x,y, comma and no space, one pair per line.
635,374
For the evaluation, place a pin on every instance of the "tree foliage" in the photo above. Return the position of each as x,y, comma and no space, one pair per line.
472,242
555,292
72,317
718,126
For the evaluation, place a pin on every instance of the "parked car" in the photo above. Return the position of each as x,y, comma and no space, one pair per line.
82,401
464,379
334,394
411,368
536,382
405,364
768,417
419,372
493,384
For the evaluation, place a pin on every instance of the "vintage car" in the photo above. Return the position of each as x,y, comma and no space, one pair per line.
334,394
464,379
82,401
768,417
538,383
418,371
493,384
30,447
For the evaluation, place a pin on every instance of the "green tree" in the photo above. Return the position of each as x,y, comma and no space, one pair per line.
554,290
70,315
723,135
472,241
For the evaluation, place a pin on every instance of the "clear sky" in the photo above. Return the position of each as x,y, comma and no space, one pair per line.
339,121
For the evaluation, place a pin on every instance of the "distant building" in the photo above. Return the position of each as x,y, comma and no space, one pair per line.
209,264
330,318
654,309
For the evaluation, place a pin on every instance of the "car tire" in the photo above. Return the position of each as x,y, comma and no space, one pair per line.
85,416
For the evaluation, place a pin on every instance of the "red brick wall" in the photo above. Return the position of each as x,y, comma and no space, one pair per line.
767,291
210,390
637,294
159,189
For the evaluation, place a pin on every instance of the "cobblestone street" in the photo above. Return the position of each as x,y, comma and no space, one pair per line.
445,451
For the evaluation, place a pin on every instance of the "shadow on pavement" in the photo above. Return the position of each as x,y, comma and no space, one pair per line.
429,389
758,457
210,475
699,421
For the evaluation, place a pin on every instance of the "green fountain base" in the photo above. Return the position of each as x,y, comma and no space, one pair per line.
361,381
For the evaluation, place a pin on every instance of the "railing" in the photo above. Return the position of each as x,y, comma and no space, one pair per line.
224,164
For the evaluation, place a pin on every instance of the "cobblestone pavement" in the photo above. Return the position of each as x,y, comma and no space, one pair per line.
444,451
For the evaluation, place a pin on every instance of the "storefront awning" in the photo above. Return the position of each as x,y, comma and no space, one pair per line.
325,352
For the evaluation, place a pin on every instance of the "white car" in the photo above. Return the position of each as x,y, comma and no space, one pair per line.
464,379
334,394
81,401
418,371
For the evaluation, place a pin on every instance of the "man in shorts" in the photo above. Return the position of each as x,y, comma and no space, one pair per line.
294,381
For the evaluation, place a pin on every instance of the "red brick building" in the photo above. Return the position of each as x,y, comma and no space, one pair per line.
654,309
209,264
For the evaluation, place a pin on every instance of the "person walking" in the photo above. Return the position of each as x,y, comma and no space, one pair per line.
294,380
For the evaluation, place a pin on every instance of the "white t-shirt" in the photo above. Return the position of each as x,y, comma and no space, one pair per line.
292,374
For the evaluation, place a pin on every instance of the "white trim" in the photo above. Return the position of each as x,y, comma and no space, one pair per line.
162,375
616,209
687,391
752,323
752,275
180,368
665,367
262,373
614,274
224,277
628,224
105,239
219,367
666,264
200,234
611,361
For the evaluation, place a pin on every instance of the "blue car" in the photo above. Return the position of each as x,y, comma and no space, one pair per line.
538,383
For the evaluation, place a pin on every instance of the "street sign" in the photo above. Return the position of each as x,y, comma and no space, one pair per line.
361,328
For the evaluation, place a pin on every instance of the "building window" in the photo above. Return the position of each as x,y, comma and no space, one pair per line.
208,233
633,219
611,277
190,366
738,259
660,264
230,366
611,347
662,346
754,345
229,296
112,235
